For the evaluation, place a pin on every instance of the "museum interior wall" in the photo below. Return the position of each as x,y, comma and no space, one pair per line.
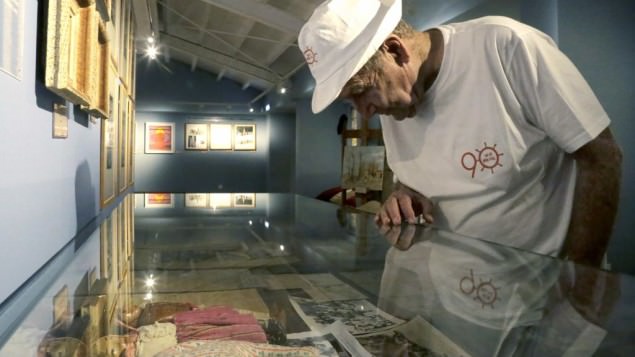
51,187
54,106
172,93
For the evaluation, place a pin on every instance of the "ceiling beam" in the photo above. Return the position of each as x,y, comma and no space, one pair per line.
200,28
221,74
263,13
142,17
194,61
154,18
218,58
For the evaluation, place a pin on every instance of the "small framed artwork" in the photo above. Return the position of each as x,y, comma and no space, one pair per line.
159,200
244,200
220,137
159,138
196,200
61,307
245,137
60,121
220,200
196,136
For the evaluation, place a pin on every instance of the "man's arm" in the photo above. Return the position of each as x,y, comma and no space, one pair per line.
599,165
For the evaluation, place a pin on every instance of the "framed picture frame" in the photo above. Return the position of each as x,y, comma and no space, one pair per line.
60,120
220,200
108,171
131,138
99,74
244,200
159,200
196,200
62,307
12,41
196,136
245,137
123,143
71,33
363,167
159,138
220,136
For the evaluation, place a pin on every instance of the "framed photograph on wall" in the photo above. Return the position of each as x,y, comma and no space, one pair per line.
196,136
245,137
220,200
244,200
159,138
159,200
220,136
108,182
196,200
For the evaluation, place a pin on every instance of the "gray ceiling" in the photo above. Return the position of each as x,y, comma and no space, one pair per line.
252,42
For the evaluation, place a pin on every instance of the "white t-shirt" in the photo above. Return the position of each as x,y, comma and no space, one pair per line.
489,144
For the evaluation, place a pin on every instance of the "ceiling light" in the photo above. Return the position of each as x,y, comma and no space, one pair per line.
152,52
283,90
251,110
267,107
150,40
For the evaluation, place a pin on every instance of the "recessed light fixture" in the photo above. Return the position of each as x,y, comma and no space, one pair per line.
152,51
267,107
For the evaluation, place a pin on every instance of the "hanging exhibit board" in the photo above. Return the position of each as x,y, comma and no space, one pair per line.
12,37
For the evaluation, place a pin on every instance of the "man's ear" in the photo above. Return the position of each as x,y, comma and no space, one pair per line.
395,47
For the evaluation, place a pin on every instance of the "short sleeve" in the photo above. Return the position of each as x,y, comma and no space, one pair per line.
554,95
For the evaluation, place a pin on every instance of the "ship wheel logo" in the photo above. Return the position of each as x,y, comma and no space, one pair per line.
485,292
488,158
310,56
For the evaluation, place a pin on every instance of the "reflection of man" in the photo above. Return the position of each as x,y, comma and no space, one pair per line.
490,129
496,301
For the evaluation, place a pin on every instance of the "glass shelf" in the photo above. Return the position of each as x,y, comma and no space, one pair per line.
284,273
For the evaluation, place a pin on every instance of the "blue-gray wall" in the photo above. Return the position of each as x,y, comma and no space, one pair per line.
318,155
49,187
181,96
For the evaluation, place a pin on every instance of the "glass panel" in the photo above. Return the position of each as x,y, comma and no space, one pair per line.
269,273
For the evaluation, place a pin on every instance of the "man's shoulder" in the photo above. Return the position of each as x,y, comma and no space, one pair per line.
499,29
491,24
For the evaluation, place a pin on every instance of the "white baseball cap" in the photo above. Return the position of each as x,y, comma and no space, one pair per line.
340,37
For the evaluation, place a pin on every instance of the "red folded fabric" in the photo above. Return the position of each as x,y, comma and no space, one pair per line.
206,315
251,333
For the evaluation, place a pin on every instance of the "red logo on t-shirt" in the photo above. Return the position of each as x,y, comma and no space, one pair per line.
484,292
487,157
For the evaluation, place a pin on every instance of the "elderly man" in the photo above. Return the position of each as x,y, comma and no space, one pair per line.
490,130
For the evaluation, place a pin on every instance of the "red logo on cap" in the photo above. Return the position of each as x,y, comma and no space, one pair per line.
310,56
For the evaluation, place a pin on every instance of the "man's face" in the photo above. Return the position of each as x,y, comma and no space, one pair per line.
385,92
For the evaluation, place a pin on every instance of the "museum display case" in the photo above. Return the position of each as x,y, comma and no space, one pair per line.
244,274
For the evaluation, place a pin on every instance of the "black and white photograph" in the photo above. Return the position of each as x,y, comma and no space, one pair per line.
359,316
196,136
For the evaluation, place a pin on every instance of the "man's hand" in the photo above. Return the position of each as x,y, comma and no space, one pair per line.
404,204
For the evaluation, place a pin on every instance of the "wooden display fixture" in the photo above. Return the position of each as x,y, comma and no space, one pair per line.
71,33
362,135
99,75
